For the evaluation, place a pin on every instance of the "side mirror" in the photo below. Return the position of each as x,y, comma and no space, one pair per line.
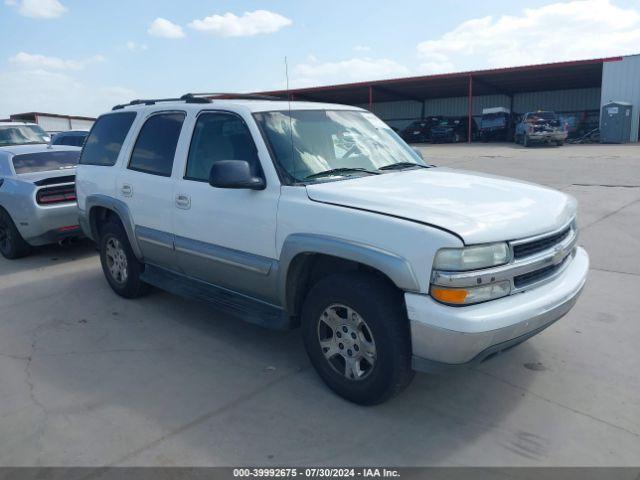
234,174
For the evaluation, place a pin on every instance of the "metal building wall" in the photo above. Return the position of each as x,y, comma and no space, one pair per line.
558,100
402,112
621,82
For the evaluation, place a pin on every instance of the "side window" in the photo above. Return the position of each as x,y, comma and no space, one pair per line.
219,136
156,145
105,140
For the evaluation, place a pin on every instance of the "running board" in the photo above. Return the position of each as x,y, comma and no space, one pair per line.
227,301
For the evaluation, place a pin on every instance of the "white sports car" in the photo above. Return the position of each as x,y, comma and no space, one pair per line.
37,196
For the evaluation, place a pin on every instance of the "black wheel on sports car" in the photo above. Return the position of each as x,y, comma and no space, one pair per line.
12,245
356,334
119,264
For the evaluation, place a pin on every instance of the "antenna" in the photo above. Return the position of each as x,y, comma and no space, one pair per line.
286,74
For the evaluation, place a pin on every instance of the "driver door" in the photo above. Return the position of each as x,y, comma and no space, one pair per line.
225,236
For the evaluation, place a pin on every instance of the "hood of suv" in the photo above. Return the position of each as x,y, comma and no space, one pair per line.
477,207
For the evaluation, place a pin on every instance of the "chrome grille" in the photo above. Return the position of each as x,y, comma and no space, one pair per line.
537,275
526,249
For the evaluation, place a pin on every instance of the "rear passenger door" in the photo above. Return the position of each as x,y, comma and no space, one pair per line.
146,186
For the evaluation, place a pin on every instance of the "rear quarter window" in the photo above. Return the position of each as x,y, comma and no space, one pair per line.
105,140
45,161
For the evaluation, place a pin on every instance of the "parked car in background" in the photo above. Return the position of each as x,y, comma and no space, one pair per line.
452,130
22,133
420,130
540,127
37,197
315,215
74,138
496,124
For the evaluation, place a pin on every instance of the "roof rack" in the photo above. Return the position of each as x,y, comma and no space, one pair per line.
198,98
229,95
153,101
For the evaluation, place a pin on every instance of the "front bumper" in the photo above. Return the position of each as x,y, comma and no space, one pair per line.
443,336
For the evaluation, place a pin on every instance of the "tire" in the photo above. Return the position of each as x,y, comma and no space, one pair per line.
12,245
379,331
120,266
525,141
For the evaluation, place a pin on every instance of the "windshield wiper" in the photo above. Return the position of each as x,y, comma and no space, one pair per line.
341,170
402,165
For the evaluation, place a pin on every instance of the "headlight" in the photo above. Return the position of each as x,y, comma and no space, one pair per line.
467,296
471,258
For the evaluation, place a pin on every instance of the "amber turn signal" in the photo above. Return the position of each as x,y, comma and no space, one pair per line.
449,295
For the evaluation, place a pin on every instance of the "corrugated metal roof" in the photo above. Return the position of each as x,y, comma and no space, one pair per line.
506,81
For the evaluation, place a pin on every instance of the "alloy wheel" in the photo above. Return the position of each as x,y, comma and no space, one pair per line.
347,342
116,260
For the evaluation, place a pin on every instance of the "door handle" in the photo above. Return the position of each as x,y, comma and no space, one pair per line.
126,190
183,201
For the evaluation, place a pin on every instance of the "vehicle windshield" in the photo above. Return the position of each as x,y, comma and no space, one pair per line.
308,142
22,135
45,161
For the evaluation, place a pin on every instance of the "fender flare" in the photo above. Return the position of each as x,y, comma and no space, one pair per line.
398,269
120,208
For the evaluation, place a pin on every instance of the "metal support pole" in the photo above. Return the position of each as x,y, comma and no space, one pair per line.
470,105
370,98
423,110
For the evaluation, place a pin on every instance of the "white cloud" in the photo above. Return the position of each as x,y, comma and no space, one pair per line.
161,27
37,61
362,48
41,83
556,32
352,70
40,90
250,23
46,9
136,47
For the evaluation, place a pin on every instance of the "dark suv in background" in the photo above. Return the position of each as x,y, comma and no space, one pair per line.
420,130
73,138
453,130
496,124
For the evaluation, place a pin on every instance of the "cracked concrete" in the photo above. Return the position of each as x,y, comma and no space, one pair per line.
90,379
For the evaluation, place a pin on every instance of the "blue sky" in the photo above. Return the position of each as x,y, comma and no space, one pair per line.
81,57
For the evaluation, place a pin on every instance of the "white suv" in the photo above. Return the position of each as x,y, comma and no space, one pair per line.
320,216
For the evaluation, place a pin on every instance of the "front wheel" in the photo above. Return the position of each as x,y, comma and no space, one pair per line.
120,266
357,336
12,245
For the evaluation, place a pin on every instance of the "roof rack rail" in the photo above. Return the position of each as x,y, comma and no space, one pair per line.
198,98
228,96
153,101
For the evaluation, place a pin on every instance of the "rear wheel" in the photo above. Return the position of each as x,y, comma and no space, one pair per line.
119,264
357,336
12,245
